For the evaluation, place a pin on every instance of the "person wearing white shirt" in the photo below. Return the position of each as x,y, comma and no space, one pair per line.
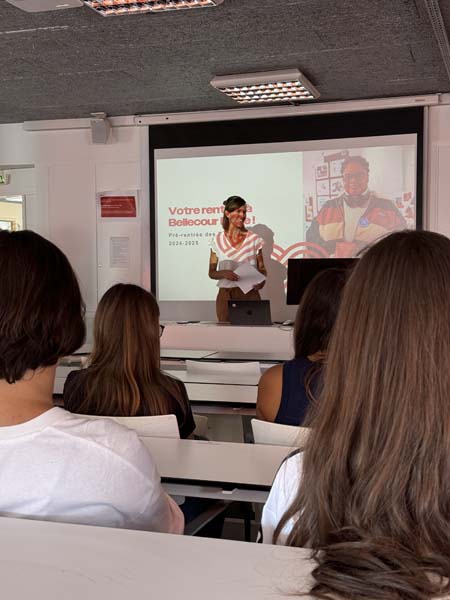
54,465
369,493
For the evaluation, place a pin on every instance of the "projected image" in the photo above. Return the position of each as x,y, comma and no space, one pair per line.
316,199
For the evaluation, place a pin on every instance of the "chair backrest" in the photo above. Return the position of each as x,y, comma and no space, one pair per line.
275,434
159,426
219,368
201,425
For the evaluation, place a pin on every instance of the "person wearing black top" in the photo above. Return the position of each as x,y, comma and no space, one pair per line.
285,391
124,376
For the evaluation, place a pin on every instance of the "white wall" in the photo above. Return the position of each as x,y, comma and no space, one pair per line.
437,204
68,172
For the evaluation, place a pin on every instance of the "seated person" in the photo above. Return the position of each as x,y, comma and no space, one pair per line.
285,391
124,378
370,493
54,465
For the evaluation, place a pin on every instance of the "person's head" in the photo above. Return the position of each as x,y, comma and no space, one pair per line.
355,173
126,327
375,494
41,309
235,212
317,312
124,376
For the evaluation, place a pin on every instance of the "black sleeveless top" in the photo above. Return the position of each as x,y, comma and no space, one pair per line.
294,399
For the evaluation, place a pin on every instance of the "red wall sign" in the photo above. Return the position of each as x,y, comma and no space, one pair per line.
118,206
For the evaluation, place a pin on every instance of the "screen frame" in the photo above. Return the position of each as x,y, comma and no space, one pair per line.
370,123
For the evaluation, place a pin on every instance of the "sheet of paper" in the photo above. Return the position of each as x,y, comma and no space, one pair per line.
248,275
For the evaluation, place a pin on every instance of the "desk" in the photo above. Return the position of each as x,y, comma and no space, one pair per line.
184,354
49,561
224,470
272,357
216,389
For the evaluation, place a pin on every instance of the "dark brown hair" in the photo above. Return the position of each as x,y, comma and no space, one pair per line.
41,309
360,160
124,376
374,498
317,312
232,203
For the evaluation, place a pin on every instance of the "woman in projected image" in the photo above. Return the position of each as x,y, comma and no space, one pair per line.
230,247
124,378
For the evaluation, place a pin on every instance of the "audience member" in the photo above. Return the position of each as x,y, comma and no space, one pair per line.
370,494
286,391
54,465
124,376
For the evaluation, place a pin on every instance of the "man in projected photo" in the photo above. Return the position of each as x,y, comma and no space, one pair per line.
357,217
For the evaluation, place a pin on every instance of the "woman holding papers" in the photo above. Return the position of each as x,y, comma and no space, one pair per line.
236,258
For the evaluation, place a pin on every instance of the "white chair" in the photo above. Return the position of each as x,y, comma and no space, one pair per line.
220,368
159,426
275,434
201,425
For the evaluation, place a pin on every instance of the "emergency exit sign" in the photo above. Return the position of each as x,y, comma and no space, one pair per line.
3,179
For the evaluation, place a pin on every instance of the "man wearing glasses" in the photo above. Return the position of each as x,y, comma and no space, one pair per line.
357,217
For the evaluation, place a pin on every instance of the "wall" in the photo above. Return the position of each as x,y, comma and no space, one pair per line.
61,198
437,216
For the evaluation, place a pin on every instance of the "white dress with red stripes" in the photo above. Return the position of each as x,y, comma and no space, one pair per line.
230,257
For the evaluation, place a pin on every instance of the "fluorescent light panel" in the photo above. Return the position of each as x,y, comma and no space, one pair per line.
109,8
267,87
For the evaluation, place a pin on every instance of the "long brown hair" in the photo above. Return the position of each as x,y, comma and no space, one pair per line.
124,376
374,498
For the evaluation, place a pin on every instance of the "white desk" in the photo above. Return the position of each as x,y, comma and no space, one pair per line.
272,357
184,354
223,388
224,470
49,561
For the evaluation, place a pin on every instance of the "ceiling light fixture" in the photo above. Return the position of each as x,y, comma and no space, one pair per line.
108,8
268,87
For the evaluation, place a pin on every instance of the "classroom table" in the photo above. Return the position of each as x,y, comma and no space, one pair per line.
48,561
225,470
270,357
184,354
234,390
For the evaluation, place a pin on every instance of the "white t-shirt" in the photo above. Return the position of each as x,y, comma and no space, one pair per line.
282,493
63,467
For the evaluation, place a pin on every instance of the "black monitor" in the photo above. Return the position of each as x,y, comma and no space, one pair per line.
302,270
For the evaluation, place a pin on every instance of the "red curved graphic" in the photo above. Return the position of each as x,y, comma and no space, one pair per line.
304,249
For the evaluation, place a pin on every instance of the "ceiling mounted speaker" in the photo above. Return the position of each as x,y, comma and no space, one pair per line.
43,5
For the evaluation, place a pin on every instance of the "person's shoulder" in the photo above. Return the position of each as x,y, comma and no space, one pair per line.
269,393
272,376
253,237
333,203
380,202
177,383
289,474
103,435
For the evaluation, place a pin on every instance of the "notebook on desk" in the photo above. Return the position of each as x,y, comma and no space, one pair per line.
249,312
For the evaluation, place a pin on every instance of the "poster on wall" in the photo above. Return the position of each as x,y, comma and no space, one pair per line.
118,205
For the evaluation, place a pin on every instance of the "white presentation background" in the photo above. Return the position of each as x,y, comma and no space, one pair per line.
275,180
